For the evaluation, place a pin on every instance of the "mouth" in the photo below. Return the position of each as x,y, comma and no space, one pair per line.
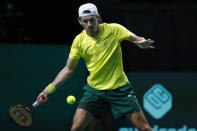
90,30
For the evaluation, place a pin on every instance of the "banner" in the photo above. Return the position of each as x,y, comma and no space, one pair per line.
167,99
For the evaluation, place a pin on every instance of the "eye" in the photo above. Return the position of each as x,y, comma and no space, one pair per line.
84,21
92,20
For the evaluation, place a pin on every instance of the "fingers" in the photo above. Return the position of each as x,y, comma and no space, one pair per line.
149,41
146,44
152,47
42,97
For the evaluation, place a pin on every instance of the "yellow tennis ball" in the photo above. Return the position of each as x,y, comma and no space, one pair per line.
71,99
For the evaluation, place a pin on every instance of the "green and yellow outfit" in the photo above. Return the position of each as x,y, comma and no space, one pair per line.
107,85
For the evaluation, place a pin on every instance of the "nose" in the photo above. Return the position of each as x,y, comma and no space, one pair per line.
89,23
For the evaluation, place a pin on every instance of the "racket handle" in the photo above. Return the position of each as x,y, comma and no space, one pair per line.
35,104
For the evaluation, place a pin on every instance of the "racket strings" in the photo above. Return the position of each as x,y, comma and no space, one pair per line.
21,115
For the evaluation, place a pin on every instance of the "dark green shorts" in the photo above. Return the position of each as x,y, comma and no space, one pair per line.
121,101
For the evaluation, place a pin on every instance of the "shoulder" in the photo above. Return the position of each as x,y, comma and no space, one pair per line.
79,37
113,26
109,25
117,26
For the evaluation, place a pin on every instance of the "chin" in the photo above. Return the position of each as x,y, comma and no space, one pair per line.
91,33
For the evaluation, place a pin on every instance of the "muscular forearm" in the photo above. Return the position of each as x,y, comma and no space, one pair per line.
138,40
62,77
141,42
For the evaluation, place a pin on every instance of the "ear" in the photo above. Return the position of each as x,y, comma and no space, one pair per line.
79,20
99,18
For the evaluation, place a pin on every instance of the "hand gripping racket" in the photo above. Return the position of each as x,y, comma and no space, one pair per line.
22,115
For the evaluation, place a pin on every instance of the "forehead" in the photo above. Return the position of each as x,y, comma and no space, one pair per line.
89,17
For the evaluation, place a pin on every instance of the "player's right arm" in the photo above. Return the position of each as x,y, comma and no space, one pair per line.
60,79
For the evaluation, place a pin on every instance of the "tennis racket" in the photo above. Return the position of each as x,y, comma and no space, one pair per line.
22,115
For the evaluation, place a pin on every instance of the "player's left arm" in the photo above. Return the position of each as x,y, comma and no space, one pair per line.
141,42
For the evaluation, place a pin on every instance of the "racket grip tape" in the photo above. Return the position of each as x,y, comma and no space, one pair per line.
35,104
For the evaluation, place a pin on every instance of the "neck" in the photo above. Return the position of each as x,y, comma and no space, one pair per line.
94,33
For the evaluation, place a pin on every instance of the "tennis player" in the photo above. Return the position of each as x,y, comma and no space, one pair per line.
107,85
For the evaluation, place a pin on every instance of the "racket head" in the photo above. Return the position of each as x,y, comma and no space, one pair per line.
21,115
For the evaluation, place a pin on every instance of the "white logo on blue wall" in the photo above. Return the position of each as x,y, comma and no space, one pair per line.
157,101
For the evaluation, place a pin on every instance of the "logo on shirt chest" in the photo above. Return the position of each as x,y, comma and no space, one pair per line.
105,43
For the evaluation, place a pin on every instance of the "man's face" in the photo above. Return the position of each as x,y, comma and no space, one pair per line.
90,24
